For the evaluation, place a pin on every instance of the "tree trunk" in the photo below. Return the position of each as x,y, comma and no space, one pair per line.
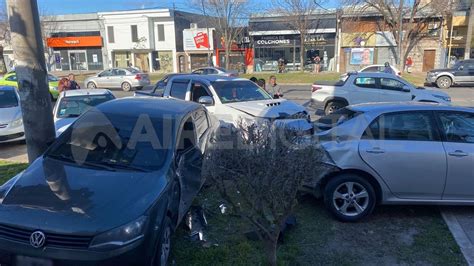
271,251
27,43
3,66
470,27
302,52
227,55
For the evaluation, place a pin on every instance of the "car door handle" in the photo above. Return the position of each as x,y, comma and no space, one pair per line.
458,153
375,151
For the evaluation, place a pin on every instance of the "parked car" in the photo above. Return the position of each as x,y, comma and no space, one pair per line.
460,73
11,120
397,153
367,87
10,79
380,69
216,71
116,78
102,195
73,103
233,99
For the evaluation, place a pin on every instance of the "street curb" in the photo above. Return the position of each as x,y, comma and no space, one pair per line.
467,247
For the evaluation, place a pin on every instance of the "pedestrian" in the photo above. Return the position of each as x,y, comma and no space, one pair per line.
281,65
388,69
317,62
261,83
63,85
72,82
409,64
273,88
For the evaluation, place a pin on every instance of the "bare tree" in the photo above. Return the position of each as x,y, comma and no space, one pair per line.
4,36
228,17
49,25
408,21
302,18
258,172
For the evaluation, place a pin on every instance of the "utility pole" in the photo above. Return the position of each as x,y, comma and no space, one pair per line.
470,27
27,43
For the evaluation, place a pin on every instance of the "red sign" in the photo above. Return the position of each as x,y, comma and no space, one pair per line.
83,41
201,40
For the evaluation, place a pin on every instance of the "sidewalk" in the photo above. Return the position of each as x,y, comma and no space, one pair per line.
460,221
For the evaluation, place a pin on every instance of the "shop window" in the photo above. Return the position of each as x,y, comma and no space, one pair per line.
134,33
110,34
161,32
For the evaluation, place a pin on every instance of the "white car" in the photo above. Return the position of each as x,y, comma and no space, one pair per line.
11,120
358,88
215,71
379,69
71,104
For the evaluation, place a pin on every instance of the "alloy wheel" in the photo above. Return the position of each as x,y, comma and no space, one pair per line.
351,199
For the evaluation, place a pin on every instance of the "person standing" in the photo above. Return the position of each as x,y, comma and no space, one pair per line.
388,69
273,88
409,64
63,85
72,83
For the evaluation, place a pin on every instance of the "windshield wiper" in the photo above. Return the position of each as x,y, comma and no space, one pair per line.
124,166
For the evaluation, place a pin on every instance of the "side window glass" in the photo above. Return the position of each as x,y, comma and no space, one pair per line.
12,78
121,72
213,71
187,138
391,84
179,89
201,122
371,69
106,73
198,90
366,83
458,127
409,126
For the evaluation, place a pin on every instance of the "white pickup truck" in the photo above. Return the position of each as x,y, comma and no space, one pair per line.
232,99
355,88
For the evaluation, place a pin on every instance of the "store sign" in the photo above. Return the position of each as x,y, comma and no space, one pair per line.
274,40
362,56
198,39
84,41
320,39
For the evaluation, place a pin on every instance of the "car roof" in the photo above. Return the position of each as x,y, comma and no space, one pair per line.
7,88
153,106
406,106
210,78
373,74
83,92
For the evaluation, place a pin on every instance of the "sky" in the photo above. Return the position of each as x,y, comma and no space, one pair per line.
54,7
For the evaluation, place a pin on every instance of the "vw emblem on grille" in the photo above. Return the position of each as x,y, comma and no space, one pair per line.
37,239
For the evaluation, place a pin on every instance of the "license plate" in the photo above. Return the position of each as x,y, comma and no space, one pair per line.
30,261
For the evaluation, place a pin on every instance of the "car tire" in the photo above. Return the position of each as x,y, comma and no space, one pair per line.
333,106
91,85
126,86
163,246
444,82
349,197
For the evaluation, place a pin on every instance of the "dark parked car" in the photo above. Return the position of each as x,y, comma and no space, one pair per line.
158,88
110,190
461,73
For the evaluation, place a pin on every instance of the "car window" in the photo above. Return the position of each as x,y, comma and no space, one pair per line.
239,91
201,122
74,106
11,78
458,126
199,72
391,84
366,83
412,126
133,70
198,90
187,139
179,89
8,99
371,69
119,72
469,66
106,73
213,71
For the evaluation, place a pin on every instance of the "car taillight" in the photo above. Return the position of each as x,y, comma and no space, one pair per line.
315,88
138,77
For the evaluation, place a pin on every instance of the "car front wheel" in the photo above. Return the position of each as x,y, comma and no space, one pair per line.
444,82
163,248
332,107
349,197
126,86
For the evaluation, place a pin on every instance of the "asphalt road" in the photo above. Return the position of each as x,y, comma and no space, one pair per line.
463,96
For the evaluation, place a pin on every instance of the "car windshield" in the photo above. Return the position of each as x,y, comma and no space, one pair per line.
74,106
115,142
52,78
8,99
239,91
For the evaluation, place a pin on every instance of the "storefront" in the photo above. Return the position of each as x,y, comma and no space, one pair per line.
240,59
77,51
198,45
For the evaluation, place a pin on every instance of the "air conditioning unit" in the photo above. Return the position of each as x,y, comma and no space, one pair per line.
193,26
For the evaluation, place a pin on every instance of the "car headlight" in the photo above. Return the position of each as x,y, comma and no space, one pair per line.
444,98
120,236
17,123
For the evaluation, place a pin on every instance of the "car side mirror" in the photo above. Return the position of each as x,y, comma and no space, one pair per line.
406,88
461,68
206,100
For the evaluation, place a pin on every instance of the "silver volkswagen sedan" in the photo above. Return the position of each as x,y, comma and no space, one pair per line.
115,78
397,153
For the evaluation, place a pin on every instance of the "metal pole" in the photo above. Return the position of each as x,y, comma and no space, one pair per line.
450,45
27,43
400,38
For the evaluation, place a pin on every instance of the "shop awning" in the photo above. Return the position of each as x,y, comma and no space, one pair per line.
83,41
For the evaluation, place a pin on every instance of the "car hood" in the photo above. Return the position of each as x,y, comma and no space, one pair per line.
55,196
62,124
440,70
10,114
276,108
432,92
